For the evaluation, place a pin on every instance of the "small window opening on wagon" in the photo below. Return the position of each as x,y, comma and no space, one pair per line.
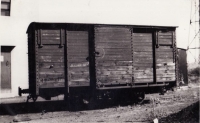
5,7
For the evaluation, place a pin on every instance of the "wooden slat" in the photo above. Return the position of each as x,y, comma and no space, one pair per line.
164,33
116,51
76,60
142,65
165,76
78,83
51,75
143,49
115,80
164,53
51,47
143,77
143,55
77,39
164,50
114,58
116,76
142,73
51,53
52,85
165,40
142,34
164,60
50,35
166,79
115,72
79,76
142,40
113,32
78,44
143,80
142,52
79,72
50,31
114,46
78,47
80,64
166,64
142,61
111,43
79,80
165,71
51,38
47,65
171,74
114,40
77,33
53,70
141,43
164,36
59,51
51,57
111,63
74,69
166,67
123,68
51,60
164,56
77,51
51,41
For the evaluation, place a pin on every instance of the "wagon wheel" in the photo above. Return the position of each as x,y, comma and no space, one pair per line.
140,97
33,97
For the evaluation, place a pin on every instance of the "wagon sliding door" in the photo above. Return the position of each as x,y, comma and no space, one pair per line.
165,57
78,58
142,57
113,55
50,67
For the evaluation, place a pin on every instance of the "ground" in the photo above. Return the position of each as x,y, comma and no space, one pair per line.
179,106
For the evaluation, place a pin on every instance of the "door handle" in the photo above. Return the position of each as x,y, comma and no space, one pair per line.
96,53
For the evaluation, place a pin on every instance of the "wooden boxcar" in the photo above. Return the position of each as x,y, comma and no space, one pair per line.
91,59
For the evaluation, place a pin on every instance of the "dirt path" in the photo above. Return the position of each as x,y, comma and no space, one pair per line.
154,106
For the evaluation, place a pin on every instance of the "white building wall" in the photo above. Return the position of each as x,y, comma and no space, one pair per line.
131,12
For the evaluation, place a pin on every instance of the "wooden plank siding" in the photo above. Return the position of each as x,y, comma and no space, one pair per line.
165,65
142,57
78,58
51,59
113,58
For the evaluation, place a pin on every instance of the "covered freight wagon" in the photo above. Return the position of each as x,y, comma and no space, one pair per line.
91,59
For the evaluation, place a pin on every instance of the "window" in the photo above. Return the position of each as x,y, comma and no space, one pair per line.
5,7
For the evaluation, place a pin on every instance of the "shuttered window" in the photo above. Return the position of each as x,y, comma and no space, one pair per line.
5,7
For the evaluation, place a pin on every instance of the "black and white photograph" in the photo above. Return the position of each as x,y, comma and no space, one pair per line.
99,61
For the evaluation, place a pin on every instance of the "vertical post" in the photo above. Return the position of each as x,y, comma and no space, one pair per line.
133,79
176,60
155,42
37,39
40,38
66,63
62,37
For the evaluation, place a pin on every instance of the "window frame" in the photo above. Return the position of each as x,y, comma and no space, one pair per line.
5,11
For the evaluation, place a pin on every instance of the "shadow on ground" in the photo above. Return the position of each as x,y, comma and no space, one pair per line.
189,114
50,106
